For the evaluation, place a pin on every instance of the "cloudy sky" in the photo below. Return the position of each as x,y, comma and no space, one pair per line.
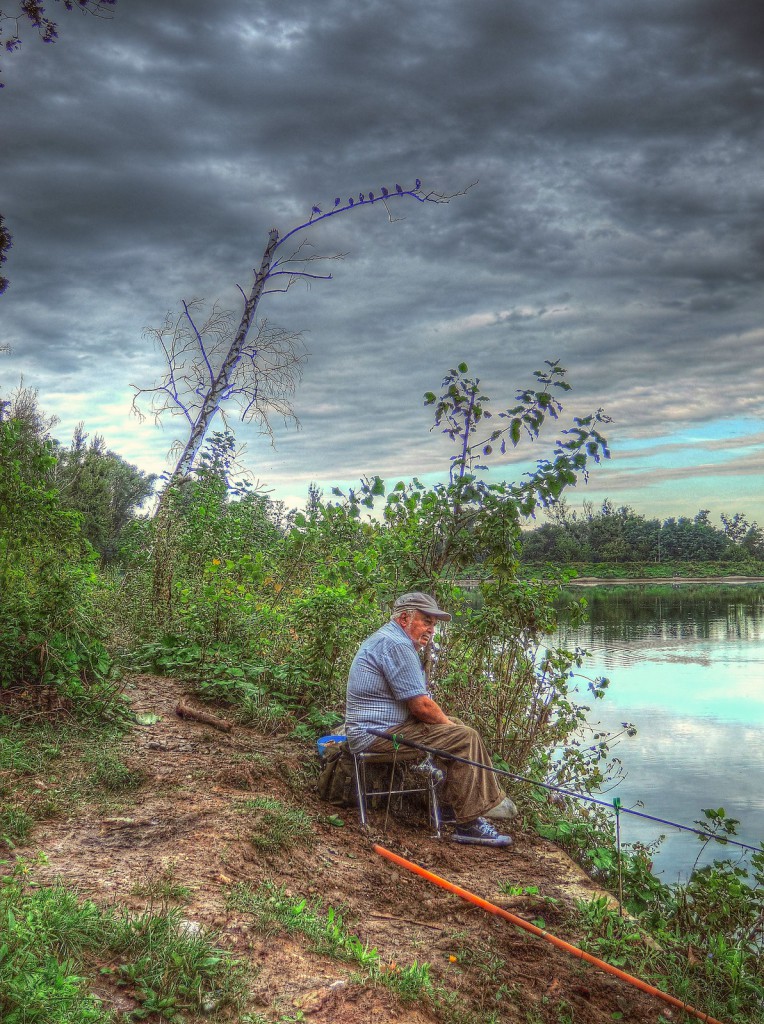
616,223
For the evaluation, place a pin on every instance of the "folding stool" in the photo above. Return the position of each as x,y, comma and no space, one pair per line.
402,766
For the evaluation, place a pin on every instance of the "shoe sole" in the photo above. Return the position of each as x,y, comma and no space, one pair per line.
469,841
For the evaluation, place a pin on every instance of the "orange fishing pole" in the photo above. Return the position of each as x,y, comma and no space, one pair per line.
491,908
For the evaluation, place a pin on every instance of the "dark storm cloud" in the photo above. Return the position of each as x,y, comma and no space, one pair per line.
616,224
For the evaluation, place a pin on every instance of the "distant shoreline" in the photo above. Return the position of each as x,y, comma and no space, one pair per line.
625,581
674,581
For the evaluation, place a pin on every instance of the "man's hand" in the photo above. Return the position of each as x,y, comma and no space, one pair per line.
424,709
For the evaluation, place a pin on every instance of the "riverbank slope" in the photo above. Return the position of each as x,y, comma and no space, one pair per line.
199,817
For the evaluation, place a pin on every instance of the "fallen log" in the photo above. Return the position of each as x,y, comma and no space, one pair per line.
184,710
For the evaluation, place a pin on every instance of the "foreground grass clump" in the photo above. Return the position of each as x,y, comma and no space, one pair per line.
110,773
29,749
719,975
48,767
278,827
51,943
162,887
271,907
15,825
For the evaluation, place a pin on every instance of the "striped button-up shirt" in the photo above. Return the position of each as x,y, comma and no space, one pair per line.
386,672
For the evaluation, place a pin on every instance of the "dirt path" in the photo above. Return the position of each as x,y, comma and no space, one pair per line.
186,820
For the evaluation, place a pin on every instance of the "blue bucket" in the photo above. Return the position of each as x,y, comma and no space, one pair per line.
325,741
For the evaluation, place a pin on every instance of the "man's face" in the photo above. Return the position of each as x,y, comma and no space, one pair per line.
419,626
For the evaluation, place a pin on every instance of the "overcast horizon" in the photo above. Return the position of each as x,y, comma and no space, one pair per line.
615,224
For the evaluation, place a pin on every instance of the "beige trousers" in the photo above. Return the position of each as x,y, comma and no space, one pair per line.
470,791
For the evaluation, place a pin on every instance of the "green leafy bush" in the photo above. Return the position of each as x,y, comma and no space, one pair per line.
50,635
700,940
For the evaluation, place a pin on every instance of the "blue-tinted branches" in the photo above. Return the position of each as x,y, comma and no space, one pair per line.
463,409
259,381
258,376
214,364
6,243
385,196
34,11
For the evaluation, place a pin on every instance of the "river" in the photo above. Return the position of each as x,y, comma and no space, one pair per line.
688,672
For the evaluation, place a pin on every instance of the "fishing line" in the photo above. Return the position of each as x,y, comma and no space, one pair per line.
397,738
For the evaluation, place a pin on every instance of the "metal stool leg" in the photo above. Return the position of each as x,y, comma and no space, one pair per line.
434,777
360,785
435,817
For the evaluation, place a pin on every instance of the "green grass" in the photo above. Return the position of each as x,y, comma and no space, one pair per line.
48,770
277,826
15,825
269,905
50,942
162,887
29,749
110,774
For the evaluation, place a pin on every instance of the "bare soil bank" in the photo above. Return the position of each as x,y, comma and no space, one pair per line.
187,817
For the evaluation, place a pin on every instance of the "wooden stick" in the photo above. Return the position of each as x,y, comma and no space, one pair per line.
185,711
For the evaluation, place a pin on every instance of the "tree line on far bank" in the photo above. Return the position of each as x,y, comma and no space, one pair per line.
623,536
109,495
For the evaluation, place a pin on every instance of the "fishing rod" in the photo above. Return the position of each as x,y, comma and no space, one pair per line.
397,740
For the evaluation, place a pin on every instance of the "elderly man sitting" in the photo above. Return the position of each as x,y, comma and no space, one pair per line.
387,691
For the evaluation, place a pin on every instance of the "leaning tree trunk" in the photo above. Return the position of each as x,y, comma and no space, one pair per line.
165,539
222,379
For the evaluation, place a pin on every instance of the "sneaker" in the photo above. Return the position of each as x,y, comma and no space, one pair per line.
503,811
480,833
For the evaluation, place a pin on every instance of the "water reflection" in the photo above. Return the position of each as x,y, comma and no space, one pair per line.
688,672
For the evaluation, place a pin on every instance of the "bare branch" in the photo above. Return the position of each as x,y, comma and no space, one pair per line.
210,365
259,384
368,199
294,274
47,29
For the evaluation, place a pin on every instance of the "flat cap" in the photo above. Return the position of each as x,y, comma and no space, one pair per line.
417,601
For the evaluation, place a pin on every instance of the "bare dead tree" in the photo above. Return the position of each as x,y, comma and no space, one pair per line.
199,382
212,365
